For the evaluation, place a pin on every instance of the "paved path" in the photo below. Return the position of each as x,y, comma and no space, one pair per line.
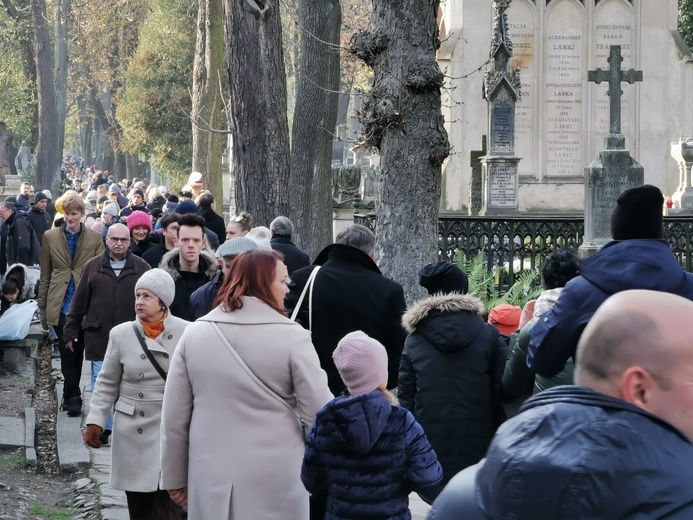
74,453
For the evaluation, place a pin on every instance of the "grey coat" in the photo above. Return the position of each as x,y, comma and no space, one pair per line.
240,452
136,422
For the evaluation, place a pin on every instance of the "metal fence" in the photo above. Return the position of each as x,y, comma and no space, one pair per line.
520,243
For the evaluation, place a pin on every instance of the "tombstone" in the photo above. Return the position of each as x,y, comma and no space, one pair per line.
502,91
6,138
23,161
614,171
561,119
476,189
682,151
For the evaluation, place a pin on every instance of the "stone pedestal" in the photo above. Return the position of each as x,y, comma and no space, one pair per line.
682,151
605,179
500,186
342,218
12,184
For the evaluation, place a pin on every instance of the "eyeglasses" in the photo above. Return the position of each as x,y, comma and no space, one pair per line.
116,239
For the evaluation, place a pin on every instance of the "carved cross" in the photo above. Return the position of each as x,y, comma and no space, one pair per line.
615,75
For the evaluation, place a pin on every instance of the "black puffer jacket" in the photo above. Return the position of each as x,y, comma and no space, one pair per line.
576,453
449,377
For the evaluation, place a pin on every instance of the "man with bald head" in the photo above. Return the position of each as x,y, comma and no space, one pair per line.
104,298
617,446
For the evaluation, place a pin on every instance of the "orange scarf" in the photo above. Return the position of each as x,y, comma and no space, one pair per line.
152,330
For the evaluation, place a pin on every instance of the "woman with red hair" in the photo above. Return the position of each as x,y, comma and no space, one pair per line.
243,389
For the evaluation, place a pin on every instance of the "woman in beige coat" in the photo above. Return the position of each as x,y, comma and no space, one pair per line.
128,371
229,449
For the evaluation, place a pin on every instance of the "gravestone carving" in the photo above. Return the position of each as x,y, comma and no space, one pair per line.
6,138
23,161
614,171
502,91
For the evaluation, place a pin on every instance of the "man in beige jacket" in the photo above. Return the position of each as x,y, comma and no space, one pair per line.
65,251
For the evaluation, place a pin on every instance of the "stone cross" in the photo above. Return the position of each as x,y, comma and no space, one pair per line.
615,76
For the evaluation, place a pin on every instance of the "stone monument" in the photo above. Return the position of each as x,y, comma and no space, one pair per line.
23,161
562,119
501,91
682,151
614,171
6,138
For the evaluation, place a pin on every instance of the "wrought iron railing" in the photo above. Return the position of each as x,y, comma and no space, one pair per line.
520,243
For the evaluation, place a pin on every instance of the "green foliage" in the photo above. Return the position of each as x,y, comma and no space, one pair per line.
16,99
482,282
154,105
53,514
686,21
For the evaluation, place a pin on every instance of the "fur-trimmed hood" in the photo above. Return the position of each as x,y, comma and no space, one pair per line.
170,263
31,277
451,302
447,321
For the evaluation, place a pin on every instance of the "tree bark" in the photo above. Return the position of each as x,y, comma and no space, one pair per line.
62,10
48,156
402,118
314,124
206,100
260,129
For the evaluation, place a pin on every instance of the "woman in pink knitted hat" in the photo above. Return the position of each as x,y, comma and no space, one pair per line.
140,226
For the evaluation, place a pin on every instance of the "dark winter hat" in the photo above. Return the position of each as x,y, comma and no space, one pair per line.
185,207
171,203
102,198
638,214
138,192
40,196
443,277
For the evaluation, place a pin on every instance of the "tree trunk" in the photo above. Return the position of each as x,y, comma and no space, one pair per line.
48,157
402,118
206,103
260,129
314,124
62,10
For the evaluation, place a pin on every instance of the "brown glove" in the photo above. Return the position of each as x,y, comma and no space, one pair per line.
91,435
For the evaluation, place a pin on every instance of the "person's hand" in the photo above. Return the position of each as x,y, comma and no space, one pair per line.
68,344
91,436
42,317
527,313
179,496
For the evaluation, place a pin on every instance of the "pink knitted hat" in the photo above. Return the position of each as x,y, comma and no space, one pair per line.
139,218
361,361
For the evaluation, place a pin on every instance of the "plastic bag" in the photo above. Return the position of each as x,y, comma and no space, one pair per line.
15,323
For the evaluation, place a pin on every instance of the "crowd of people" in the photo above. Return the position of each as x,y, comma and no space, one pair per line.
235,378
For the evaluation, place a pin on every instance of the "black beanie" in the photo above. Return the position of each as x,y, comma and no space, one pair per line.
443,277
638,214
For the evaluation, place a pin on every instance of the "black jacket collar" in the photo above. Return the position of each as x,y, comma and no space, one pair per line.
347,254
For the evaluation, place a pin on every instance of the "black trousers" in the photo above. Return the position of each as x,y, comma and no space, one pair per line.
156,505
70,361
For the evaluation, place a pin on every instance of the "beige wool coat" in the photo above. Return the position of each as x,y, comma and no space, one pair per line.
136,421
238,450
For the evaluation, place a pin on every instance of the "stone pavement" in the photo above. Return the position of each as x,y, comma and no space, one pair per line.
73,454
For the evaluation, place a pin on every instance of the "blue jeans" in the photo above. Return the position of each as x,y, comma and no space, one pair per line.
95,369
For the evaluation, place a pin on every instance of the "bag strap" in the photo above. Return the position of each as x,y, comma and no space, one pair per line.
257,380
307,289
153,361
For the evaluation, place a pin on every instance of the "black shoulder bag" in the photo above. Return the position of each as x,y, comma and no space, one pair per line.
153,361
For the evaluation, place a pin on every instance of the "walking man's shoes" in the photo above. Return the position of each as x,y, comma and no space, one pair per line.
74,406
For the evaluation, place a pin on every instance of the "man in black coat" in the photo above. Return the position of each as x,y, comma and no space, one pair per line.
616,445
281,229
212,221
349,294
40,220
18,242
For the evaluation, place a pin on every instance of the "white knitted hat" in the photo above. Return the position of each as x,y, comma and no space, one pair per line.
160,283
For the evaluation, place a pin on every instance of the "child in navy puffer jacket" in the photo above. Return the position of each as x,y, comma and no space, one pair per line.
363,451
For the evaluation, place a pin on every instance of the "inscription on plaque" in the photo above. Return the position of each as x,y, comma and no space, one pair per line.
613,26
502,185
521,27
502,131
563,116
